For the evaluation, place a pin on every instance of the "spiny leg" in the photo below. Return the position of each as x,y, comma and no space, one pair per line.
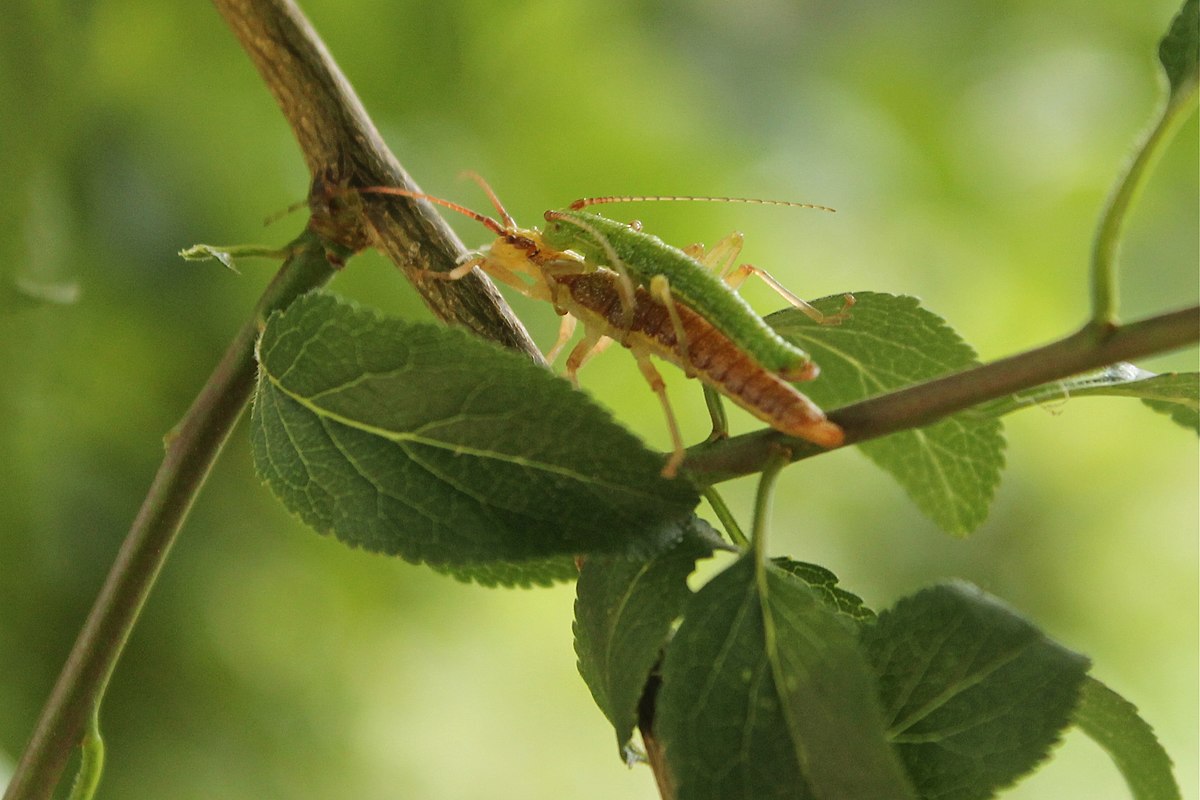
660,389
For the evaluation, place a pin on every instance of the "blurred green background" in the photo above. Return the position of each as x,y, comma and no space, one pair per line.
967,148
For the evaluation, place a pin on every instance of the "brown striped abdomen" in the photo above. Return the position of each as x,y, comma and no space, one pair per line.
593,298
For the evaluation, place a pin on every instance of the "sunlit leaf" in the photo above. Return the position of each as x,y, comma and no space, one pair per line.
1114,724
951,468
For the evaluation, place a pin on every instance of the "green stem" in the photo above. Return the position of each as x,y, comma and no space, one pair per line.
91,760
191,449
778,458
726,517
1116,210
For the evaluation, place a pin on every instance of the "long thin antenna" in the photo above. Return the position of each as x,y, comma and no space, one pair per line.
596,201
492,225
487,188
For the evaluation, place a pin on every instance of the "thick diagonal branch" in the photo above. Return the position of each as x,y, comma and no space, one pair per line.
343,149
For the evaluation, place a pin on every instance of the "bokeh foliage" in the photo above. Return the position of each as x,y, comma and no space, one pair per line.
968,148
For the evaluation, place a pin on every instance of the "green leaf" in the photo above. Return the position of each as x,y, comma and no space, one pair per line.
765,694
624,610
951,468
1174,394
421,441
824,585
974,695
1179,51
514,573
1114,724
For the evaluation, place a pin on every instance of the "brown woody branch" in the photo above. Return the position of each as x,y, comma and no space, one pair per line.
343,149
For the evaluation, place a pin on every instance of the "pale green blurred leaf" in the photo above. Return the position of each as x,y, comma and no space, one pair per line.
951,468
1114,724
1175,394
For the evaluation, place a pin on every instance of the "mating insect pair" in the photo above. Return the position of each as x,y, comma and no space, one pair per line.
679,305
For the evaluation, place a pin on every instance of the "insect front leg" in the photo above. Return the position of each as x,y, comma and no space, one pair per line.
592,343
565,330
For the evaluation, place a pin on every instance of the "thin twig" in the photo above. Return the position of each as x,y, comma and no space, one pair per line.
191,449
1092,347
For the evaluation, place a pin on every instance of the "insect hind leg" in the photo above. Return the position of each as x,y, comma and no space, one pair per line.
738,276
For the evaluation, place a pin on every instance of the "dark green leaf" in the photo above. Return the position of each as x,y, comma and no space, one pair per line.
421,441
514,573
1179,51
974,695
624,610
1114,724
766,694
951,468
824,585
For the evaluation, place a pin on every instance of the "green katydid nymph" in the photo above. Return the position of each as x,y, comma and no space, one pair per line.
694,290
704,282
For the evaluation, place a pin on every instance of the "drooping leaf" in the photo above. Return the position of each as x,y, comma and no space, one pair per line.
824,585
419,441
624,609
765,693
951,468
1174,394
974,696
1114,724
